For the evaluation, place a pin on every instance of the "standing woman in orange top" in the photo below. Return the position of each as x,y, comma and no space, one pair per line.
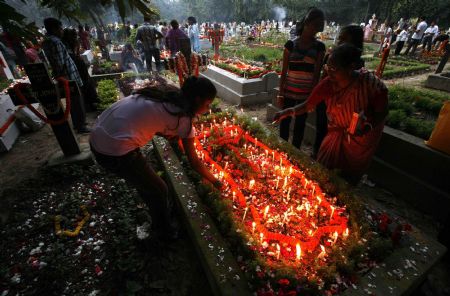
302,63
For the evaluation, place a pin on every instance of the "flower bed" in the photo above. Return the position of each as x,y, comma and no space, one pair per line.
132,81
414,111
292,226
396,68
107,93
241,69
100,67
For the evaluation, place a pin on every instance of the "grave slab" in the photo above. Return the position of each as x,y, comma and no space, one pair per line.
439,81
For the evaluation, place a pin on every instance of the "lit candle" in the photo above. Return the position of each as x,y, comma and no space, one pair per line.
267,153
245,146
298,252
234,196
202,127
335,237
256,142
289,192
251,184
245,214
285,182
253,226
266,210
314,189
273,156
261,237
225,122
307,208
281,161
278,181
278,252
332,212
345,234
210,111
226,165
290,170
322,253
319,200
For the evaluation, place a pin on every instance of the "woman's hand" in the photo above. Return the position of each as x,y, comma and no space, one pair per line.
283,114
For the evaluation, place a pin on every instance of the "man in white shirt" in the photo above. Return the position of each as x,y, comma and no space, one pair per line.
430,33
417,36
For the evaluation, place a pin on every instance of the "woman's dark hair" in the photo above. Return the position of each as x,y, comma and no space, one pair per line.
312,14
346,56
355,35
186,99
192,19
70,39
174,24
80,28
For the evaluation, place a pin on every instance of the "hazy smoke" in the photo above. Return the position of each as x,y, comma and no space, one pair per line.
280,13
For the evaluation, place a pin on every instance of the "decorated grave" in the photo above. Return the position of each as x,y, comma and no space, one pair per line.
242,90
291,226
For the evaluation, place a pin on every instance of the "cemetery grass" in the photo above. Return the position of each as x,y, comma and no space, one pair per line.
107,257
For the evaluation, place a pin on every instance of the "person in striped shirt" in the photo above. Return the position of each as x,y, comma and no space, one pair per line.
302,63
348,94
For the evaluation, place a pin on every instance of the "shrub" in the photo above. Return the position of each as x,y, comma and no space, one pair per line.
396,118
107,93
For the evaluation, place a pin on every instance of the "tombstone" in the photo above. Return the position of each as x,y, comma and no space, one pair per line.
47,92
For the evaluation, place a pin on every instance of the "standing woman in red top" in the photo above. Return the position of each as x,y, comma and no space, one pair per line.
356,109
302,63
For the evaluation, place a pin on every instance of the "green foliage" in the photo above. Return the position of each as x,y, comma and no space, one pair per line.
107,93
131,39
260,53
414,110
4,83
397,67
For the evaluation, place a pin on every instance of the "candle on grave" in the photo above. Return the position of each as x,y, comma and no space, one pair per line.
226,165
307,208
245,214
261,237
314,189
202,127
322,253
332,212
289,192
210,111
251,184
234,195
298,252
266,210
267,153
285,182
281,162
278,252
335,237
319,200
245,146
345,234
273,156
253,226
290,171
225,122
256,142
278,181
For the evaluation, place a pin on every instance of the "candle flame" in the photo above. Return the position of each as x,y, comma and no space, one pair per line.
335,236
322,253
266,210
298,251
261,236
332,212
251,184
253,226
278,251
345,234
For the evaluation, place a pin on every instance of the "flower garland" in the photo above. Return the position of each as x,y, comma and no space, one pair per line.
77,230
181,67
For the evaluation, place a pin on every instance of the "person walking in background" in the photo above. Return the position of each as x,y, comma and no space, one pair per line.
349,144
430,33
31,53
84,38
402,37
417,36
173,37
302,63
148,35
194,34
88,89
63,65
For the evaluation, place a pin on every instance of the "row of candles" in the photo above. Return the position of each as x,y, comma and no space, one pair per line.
290,184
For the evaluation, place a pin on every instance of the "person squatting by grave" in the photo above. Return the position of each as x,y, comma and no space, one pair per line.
129,124
349,145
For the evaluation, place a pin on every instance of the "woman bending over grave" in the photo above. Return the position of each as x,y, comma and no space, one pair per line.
356,109
129,124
